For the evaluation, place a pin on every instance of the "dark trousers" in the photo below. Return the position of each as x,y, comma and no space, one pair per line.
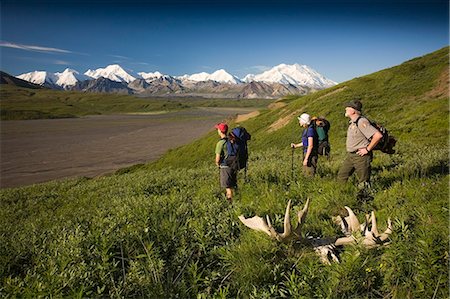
228,177
310,169
355,163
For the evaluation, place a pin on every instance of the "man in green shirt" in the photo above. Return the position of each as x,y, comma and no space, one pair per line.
228,175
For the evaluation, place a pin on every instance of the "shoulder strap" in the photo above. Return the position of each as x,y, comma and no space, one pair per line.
357,123
314,127
232,148
357,120
225,143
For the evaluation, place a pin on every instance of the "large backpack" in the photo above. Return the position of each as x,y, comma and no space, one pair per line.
232,158
322,126
237,146
387,142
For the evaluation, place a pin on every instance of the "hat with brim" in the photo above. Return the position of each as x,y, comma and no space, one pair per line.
355,104
304,119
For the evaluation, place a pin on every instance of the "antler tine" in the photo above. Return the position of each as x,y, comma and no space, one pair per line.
365,227
287,223
373,238
387,232
374,228
301,216
272,230
268,221
352,221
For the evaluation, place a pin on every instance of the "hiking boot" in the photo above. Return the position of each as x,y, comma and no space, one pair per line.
365,192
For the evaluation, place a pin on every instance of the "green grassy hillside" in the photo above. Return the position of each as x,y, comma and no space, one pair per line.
411,100
165,230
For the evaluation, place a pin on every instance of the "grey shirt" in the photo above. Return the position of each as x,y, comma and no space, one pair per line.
358,135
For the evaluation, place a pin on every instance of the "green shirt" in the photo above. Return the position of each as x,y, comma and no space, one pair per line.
221,149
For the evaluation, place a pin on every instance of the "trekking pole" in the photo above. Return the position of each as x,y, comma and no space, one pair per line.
245,174
220,186
292,162
246,168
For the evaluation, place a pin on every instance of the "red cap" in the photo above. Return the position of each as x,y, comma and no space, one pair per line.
222,127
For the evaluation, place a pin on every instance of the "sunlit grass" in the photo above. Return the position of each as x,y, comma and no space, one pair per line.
165,230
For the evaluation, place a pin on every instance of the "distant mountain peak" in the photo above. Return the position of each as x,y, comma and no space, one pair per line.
295,74
151,76
39,77
221,76
113,72
6,78
69,77
69,70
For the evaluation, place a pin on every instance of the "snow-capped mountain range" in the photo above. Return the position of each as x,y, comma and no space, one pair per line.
294,74
296,78
65,79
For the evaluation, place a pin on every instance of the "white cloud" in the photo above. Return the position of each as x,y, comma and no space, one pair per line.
120,57
141,63
44,60
127,60
32,48
260,68
61,62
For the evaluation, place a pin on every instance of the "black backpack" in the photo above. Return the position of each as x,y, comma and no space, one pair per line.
237,147
322,126
387,142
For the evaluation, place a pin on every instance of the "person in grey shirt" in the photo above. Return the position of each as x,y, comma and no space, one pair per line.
362,137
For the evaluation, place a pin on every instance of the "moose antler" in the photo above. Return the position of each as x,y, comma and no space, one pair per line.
372,237
258,223
350,225
325,247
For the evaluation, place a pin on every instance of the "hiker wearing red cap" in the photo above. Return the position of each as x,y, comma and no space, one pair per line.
228,174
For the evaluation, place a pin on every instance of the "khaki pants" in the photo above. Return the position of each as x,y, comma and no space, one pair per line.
355,163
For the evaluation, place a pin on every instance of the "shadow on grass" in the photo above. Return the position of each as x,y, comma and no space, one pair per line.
440,168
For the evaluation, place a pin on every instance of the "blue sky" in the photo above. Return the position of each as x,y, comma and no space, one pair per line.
339,39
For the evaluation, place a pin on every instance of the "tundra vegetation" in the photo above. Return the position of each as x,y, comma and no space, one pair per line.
165,230
21,103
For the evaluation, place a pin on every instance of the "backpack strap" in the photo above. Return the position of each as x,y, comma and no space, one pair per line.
357,122
232,148
223,158
357,125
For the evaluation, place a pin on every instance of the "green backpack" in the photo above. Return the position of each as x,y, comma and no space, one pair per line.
322,126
